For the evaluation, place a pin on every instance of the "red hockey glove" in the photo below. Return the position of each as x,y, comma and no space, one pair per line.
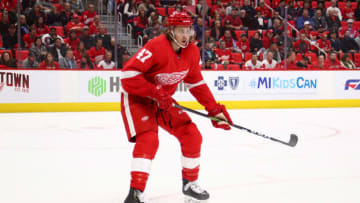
163,99
221,113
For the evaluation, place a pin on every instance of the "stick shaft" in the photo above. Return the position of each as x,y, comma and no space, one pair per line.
233,125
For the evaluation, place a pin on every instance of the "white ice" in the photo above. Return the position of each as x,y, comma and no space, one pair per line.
85,158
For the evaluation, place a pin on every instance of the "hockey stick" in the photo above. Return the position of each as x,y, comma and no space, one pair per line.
293,138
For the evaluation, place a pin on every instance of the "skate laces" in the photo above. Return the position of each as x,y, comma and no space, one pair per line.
195,187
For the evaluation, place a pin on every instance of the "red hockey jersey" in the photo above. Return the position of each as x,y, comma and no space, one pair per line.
29,40
348,13
9,5
96,55
158,64
71,43
87,17
333,65
243,46
323,44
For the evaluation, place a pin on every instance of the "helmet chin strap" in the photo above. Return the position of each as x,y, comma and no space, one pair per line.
177,43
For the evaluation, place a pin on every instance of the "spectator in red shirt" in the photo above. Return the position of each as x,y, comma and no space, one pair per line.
29,38
49,63
235,20
80,51
95,26
97,53
265,12
332,62
323,42
223,54
348,12
302,45
219,9
290,62
41,27
228,26
230,43
276,3
268,38
243,44
9,5
140,22
307,29
319,64
60,5
353,32
74,24
72,41
87,16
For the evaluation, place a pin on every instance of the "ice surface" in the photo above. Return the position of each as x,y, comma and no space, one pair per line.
85,158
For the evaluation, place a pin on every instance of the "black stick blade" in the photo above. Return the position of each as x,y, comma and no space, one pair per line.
293,140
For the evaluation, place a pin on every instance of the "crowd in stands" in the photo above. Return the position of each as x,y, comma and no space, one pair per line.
56,34
241,34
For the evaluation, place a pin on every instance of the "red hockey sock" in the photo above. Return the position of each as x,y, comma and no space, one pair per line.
144,152
138,180
191,174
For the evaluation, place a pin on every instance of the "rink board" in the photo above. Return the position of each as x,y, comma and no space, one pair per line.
42,91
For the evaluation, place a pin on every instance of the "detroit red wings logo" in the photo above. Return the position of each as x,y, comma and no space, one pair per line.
170,78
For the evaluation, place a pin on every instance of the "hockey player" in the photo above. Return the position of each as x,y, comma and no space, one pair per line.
149,80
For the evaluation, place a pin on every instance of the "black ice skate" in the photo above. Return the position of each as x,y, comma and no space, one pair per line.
135,196
194,193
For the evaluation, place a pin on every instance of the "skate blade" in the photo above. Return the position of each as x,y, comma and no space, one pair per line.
188,199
